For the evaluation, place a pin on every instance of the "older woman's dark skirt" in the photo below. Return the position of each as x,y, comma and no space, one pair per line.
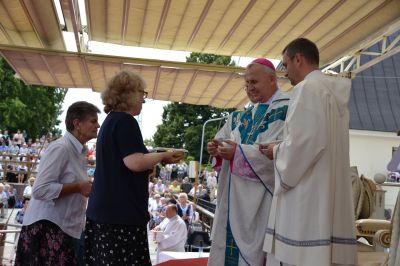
44,243
109,244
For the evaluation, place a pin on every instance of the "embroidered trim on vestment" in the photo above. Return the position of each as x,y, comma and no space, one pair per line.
312,243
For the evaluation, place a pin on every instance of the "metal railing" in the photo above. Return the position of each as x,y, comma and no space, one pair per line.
206,212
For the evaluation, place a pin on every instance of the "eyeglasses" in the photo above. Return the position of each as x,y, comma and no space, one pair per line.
145,94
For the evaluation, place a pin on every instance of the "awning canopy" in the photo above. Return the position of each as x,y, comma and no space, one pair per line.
31,39
253,28
199,84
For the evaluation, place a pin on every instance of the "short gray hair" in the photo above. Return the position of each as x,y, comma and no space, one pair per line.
79,110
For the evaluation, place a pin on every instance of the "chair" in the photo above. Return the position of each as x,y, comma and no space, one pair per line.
385,234
195,239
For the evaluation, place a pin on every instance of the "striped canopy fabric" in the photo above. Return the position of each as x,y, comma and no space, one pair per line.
32,39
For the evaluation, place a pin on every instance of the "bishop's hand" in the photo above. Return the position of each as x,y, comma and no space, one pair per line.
227,149
212,147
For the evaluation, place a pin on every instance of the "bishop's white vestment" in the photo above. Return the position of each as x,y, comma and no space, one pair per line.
312,215
245,185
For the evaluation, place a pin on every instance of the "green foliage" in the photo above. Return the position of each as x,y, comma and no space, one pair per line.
149,142
182,127
210,59
33,108
182,123
189,158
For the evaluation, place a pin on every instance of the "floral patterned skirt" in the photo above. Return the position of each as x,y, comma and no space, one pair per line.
109,244
44,243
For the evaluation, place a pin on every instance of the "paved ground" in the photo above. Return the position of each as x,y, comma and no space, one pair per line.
8,250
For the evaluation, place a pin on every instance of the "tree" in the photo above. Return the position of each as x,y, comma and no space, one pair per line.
29,107
182,123
210,59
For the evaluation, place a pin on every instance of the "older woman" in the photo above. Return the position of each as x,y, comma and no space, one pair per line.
55,218
185,209
112,235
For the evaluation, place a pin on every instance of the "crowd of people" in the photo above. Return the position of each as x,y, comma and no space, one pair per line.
9,199
20,154
20,143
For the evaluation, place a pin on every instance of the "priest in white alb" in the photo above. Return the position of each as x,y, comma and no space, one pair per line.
173,236
312,215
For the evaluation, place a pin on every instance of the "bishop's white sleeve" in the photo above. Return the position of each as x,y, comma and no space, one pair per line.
305,139
225,131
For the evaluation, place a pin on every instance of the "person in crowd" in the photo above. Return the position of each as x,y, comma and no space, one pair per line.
11,195
163,174
244,171
181,170
166,187
122,164
161,210
159,188
25,135
3,147
36,146
174,234
19,217
175,188
6,138
11,176
29,144
154,207
196,189
313,189
3,201
186,186
13,148
28,189
168,196
54,221
22,170
185,209
211,180
18,138
205,195
24,150
154,202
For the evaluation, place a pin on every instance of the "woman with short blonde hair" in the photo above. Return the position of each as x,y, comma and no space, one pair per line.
122,164
122,88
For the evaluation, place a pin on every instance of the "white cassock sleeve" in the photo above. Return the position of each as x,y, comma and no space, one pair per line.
304,140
